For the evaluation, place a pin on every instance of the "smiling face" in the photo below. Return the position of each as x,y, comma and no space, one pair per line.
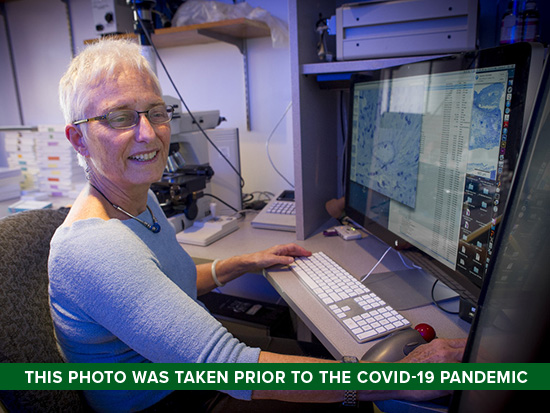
126,159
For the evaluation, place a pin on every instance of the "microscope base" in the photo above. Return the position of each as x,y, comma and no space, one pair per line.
206,232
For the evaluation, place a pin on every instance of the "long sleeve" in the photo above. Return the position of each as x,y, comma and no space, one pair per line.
119,297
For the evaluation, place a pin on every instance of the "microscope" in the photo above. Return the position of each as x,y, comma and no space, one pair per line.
184,179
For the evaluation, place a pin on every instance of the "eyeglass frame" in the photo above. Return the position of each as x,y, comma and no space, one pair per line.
169,109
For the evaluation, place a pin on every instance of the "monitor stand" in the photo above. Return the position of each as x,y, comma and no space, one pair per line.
410,288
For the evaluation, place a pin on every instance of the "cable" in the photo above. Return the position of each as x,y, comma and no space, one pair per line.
261,194
148,36
243,212
12,64
344,131
269,139
222,201
376,265
414,266
247,198
70,26
437,303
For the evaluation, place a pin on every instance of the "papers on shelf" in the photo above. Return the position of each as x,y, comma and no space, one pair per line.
10,183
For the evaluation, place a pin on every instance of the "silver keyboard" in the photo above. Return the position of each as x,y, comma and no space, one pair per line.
282,207
363,314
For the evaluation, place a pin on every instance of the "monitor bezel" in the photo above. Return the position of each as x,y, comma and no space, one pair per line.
518,54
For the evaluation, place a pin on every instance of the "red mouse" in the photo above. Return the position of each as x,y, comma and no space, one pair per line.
426,331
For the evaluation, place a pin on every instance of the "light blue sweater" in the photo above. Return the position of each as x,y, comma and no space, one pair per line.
119,293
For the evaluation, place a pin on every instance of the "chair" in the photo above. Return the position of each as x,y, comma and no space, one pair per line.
26,327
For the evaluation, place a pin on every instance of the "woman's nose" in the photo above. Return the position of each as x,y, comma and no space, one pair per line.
145,131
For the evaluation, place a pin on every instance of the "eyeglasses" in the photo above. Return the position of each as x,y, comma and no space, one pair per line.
128,118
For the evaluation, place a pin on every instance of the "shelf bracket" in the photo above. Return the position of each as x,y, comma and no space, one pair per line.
241,45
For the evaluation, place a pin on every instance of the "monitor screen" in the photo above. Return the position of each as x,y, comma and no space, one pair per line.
431,152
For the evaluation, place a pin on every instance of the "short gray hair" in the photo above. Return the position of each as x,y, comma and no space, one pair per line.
91,67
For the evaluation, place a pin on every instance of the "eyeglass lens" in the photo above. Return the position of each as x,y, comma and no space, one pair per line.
121,119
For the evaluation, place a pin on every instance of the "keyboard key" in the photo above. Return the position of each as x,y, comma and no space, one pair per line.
282,207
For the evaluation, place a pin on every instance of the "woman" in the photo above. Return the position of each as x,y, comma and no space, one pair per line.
121,287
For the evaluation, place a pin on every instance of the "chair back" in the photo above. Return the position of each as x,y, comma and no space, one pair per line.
26,327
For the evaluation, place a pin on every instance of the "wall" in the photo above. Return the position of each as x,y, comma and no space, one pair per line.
208,77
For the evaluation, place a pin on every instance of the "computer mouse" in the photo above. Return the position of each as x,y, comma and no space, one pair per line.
396,346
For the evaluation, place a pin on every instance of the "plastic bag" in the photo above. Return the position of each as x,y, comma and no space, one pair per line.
200,11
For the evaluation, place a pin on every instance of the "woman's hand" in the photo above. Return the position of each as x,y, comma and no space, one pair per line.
448,350
279,254
436,351
231,268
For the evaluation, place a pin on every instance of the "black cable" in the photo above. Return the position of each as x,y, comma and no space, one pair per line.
70,26
344,130
222,201
247,198
147,35
12,64
437,303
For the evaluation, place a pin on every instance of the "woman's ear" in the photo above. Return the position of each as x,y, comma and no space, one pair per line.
76,138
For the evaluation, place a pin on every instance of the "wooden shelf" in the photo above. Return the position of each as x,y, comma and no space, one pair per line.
232,31
210,32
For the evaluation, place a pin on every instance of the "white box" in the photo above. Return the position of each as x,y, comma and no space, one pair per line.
392,28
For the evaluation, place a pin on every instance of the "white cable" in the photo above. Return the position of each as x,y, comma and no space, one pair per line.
376,265
414,266
269,139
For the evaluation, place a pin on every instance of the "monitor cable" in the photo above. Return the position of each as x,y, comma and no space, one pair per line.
436,302
376,265
149,39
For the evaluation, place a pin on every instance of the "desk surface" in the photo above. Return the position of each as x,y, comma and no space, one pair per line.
358,257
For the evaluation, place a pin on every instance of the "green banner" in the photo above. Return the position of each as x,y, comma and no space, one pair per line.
301,376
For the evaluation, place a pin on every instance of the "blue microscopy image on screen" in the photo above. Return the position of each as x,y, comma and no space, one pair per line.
487,117
485,132
388,150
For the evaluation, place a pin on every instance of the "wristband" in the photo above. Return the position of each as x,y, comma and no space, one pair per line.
350,396
214,276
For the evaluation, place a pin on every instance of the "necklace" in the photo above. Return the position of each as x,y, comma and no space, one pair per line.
155,227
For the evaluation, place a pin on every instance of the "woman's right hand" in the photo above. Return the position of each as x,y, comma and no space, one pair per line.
437,351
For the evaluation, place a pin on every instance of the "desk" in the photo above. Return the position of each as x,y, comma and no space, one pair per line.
352,255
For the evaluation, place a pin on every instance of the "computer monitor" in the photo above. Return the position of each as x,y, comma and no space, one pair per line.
513,320
432,149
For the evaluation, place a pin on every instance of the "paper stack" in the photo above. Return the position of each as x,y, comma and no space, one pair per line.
60,174
10,183
20,147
